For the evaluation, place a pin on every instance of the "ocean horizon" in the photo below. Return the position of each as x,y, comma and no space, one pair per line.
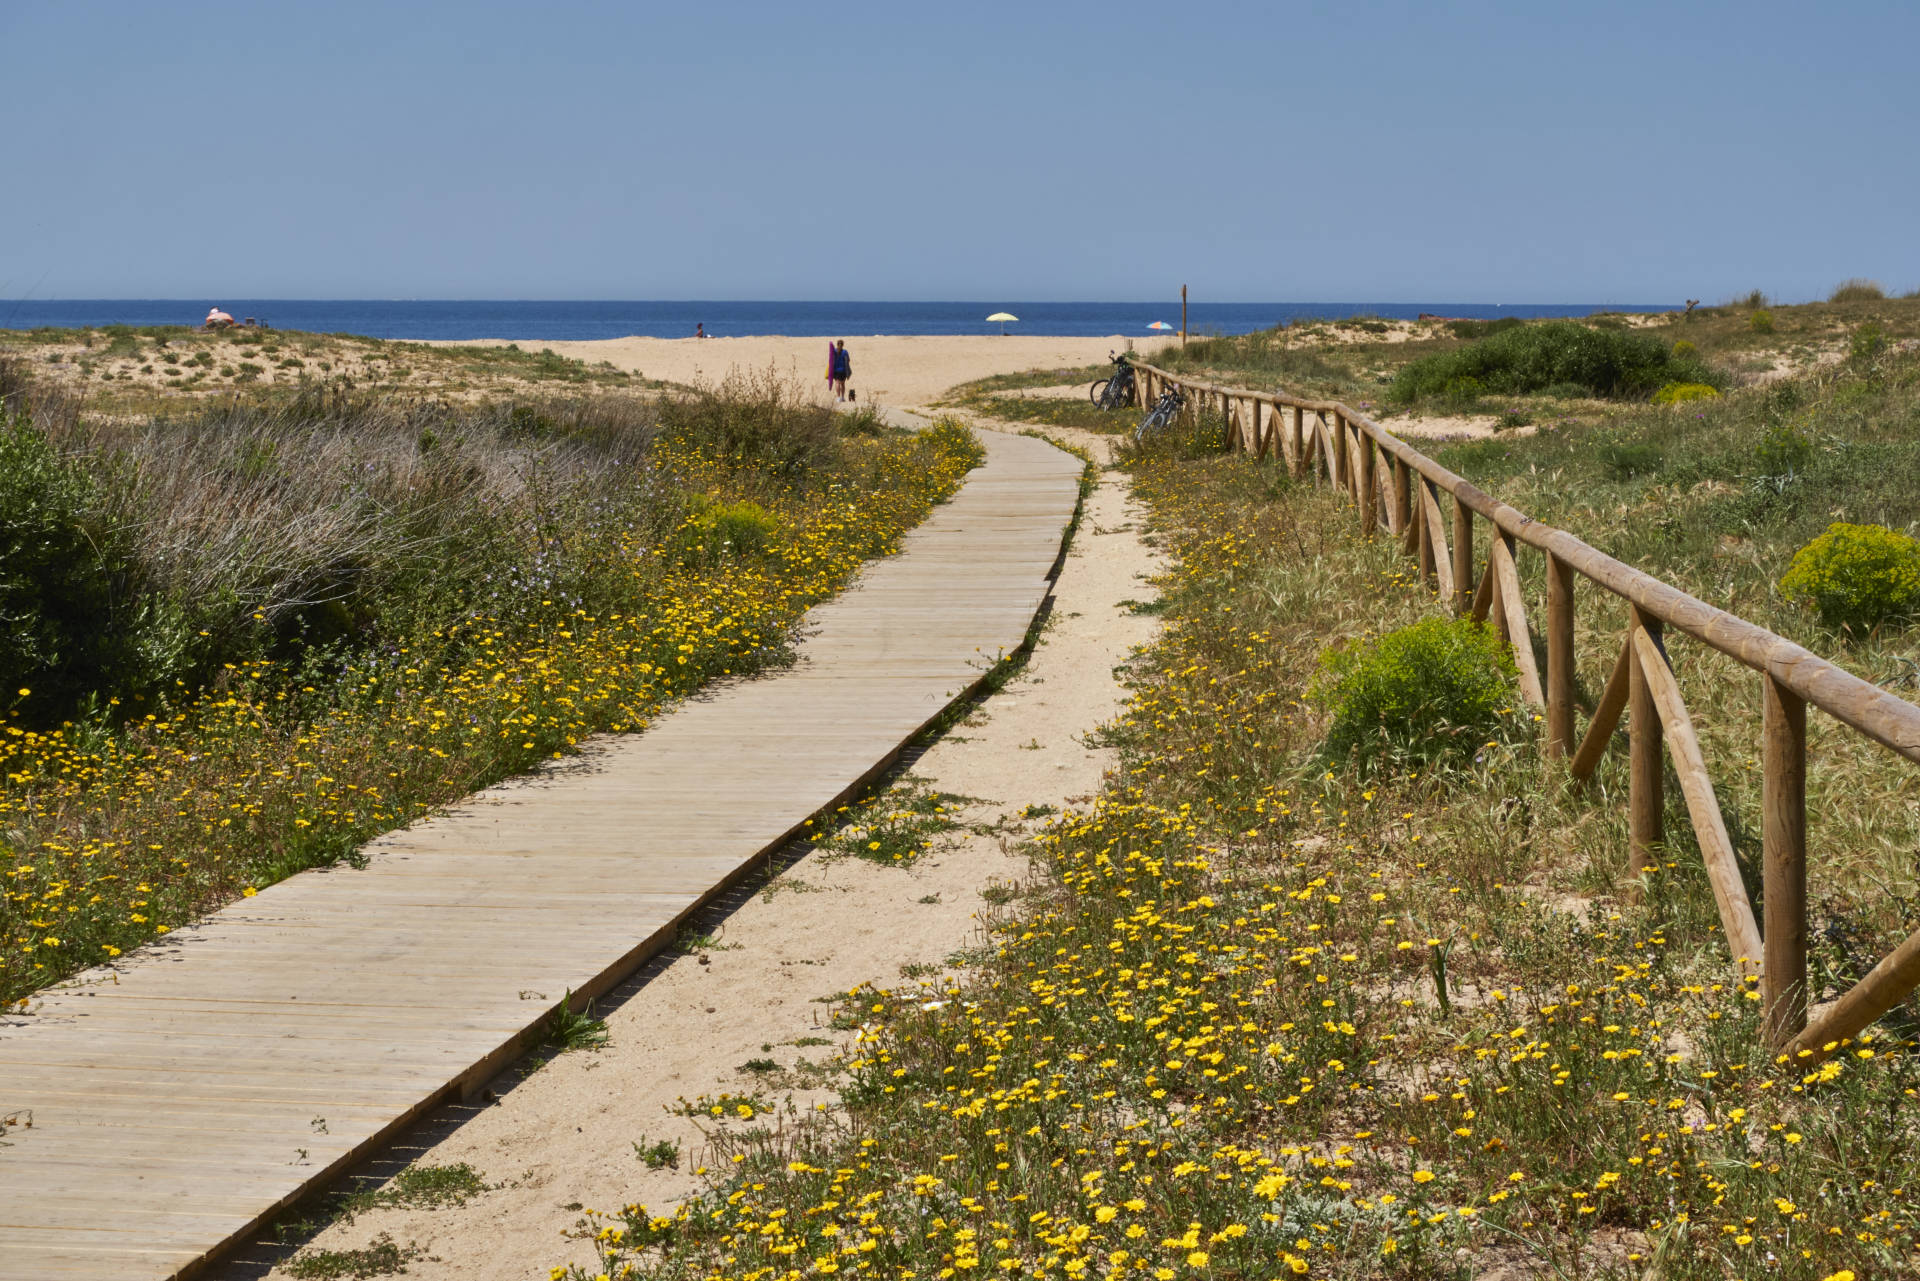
559,321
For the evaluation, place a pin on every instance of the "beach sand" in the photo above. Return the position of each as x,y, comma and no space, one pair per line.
900,370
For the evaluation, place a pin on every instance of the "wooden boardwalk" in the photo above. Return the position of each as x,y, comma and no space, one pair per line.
182,1101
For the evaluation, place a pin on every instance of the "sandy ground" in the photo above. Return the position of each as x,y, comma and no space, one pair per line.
564,1137
899,370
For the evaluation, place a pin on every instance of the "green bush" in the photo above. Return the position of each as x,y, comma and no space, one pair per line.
1866,343
1685,349
1483,328
1432,691
1761,322
69,624
1783,450
1858,289
1680,393
721,531
1554,354
1856,576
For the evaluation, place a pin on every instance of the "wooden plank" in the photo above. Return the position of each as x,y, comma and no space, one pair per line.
172,1095
1513,613
1606,716
1436,540
1709,828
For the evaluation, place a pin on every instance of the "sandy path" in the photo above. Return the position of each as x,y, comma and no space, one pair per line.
565,1136
899,370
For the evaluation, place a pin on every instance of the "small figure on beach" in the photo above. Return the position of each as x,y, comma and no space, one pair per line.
839,368
217,319
700,329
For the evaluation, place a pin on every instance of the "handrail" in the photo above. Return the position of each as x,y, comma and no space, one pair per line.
1794,676
1888,720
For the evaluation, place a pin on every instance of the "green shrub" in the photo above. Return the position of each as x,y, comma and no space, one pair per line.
1483,328
1856,576
1783,450
721,531
1554,354
1432,691
1624,462
1511,419
68,577
1685,349
1858,289
1680,393
1866,343
1755,299
1761,322
1462,393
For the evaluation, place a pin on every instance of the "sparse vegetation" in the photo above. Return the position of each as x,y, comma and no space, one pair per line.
1270,1015
1858,289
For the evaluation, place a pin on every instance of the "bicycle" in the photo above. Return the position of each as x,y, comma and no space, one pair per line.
1117,391
1161,416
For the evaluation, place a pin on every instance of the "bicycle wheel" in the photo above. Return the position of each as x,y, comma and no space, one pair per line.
1098,393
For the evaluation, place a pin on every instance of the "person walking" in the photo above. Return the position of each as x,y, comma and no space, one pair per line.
839,368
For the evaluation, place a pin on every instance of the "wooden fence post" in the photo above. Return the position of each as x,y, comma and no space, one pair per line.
1402,500
1783,803
1369,484
1299,441
1424,548
1559,658
1463,579
1646,782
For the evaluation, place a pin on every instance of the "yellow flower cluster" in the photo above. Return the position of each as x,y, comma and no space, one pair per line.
108,840
1272,1022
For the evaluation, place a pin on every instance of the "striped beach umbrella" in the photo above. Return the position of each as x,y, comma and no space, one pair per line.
1159,324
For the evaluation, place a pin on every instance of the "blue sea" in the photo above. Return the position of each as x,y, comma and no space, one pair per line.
556,321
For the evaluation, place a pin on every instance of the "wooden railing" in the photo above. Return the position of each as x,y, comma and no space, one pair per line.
1396,488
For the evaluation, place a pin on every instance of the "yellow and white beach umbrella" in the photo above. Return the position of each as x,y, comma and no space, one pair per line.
1001,318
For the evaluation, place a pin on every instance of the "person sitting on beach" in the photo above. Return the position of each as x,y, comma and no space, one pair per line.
700,329
217,319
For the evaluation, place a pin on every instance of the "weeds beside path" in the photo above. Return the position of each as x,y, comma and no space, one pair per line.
120,827
1275,1014
747,1010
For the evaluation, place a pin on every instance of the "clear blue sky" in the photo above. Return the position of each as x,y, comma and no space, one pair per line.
1520,152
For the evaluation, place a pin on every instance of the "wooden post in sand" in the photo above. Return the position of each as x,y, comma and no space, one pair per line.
1369,485
1646,783
1783,805
1559,658
1402,499
1462,557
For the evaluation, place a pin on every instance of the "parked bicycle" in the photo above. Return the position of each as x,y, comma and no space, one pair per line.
1117,391
1162,415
